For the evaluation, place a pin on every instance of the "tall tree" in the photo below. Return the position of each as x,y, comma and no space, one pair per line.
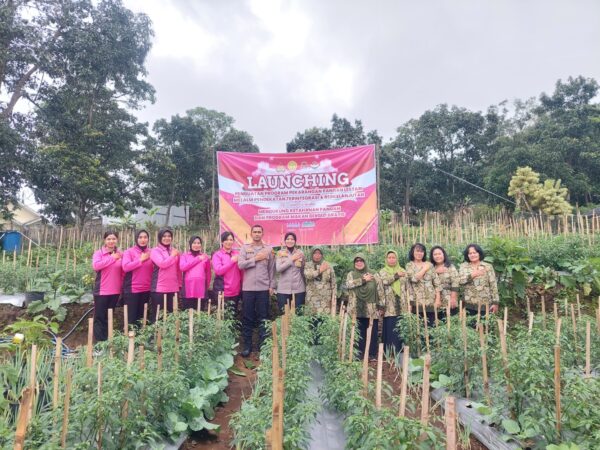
341,134
87,143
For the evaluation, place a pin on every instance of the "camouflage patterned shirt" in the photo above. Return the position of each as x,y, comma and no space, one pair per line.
449,281
320,288
394,305
482,289
422,292
364,309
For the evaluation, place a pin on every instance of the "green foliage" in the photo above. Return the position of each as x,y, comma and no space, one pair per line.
35,331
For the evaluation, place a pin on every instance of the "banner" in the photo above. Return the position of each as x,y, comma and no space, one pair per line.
325,197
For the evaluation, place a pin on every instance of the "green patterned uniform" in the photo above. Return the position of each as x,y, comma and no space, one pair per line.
450,282
320,288
481,289
422,292
368,309
394,305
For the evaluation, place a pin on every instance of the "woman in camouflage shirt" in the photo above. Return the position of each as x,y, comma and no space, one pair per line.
479,280
320,283
393,278
423,283
365,297
449,279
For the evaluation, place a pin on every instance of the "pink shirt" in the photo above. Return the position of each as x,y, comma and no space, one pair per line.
138,274
166,277
196,275
109,275
228,276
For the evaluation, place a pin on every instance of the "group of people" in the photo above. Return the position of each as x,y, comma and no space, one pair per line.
251,275
427,288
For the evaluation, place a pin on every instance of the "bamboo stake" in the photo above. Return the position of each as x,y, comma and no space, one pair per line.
588,336
333,304
55,379
351,347
131,349
379,377
165,309
198,305
425,392
465,353
125,320
365,368
484,365
557,386
504,351
530,322
578,308
90,343
505,320
191,326
159,356
557,330
208,308
343,346
544,312
100,425
23,418
450,417
145,317
67,403
574,323
110,331
425,329
404,382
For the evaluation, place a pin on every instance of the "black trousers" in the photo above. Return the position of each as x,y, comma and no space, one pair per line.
282,300
391,337
102,303
135,306
363,325
191,303
255,310
156,300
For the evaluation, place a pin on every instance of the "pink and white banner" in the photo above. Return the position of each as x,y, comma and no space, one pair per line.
325,197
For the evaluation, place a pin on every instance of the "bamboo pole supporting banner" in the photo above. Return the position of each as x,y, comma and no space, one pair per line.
90,344
425,391
404,382
55,378
378,382
557,386
67,403
23,418
450,419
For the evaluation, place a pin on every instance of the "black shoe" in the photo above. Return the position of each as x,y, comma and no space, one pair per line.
245,353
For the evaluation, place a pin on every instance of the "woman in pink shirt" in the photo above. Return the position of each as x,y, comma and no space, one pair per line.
166,278
138,277
195,268
109,280
228,276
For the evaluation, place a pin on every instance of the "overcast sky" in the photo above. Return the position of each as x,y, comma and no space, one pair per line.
279,67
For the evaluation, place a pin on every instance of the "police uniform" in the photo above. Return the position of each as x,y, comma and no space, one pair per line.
259,277
291,278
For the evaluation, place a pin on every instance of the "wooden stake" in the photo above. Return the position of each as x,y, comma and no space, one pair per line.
503,349
557,324
557,386
56,379
578,308
110,331
465,353
142,357
145,317
165,309
67,403
23,418
484,366
351,347
125,320
90,344
505,320
333,304
131,349
425,391
588,336
379,377
543,312
404,383
191,326
100,425
574,322
209,307
343,345
450,417
159,355
530,322
365,368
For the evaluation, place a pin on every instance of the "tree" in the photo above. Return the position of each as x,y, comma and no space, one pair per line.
341,134
181,163
549,197
85,157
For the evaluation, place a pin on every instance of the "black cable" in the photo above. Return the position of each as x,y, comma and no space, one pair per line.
77,324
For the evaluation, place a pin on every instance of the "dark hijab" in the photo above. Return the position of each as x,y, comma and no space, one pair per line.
192,239
137,235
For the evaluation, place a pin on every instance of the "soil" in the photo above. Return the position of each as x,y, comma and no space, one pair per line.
238,389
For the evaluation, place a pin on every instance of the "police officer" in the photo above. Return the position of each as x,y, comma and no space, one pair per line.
258,263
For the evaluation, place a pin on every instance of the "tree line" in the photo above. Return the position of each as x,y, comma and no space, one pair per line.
73,72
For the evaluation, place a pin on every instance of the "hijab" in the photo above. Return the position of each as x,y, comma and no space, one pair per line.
392,270
137,235
192,239
366,292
